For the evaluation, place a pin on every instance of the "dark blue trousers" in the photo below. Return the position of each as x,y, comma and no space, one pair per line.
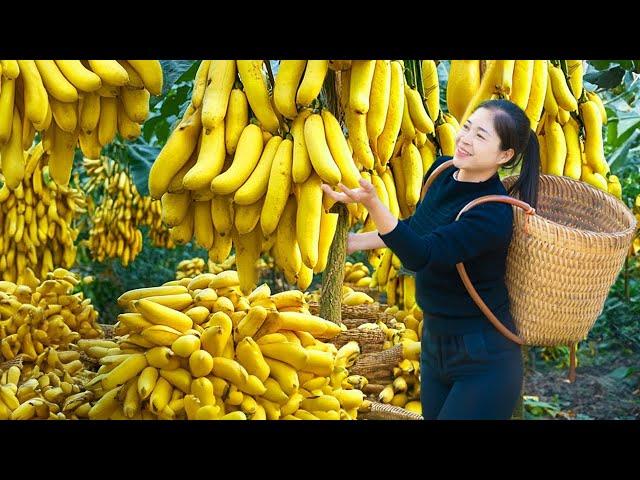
475,376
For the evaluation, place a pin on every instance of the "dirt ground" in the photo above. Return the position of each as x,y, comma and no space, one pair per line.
596,394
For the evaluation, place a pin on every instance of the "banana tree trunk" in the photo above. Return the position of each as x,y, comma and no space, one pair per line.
333,275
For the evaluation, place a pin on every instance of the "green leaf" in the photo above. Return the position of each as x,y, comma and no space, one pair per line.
622,372
617,159
606,79
173,70
141,157
600,64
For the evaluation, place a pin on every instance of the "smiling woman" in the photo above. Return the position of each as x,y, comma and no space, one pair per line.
469,370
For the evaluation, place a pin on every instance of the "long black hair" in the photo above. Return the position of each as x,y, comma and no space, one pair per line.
514,130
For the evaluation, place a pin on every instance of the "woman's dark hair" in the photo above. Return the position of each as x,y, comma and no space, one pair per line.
514,130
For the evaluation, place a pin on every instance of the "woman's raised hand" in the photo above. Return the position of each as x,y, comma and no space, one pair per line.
365,195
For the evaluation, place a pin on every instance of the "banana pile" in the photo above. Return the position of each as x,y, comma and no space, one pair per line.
38,218
51,387
196,348
120,212
567,118
37,314
245,164
70,102
356,274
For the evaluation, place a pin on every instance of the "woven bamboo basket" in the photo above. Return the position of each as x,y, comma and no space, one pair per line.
563,260
17,361
382,411
369,340
377,365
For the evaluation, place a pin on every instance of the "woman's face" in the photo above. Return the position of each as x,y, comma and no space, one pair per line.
478,144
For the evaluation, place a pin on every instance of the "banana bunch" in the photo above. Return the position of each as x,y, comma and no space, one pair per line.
220,174
70,102
228,264
37,314
356,274
567,118
392,128
38,218
51,387
152,218
190,268
120,212
196,348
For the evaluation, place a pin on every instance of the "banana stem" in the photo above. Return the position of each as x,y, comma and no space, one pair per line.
408,73
271,79
419,79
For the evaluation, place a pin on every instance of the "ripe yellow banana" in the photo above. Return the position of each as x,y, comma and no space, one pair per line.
278,188
220,80
55,82
387,139
464,82
150,71
255,87
236,120
312,81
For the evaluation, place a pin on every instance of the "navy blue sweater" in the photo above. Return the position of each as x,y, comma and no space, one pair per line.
431,242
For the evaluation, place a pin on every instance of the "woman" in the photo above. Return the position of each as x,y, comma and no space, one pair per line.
469,370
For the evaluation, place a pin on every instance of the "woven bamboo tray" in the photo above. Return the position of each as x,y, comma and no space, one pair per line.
108,330
369,340
17,361
377,365
382,411
359,314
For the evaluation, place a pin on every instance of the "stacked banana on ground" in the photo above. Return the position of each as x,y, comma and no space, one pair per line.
196,348
34,314
51,387
120,213
39,219
567,118
356,274
70,102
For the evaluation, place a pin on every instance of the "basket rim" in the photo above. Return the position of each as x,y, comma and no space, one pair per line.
608,197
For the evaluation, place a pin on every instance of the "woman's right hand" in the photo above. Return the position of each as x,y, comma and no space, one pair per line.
366,194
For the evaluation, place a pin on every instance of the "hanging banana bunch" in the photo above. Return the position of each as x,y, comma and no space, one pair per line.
70,102
120,211
39,219
567,118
